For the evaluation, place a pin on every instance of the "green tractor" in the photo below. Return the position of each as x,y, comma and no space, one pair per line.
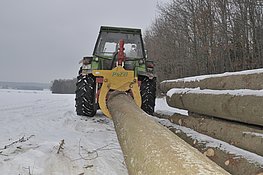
118,63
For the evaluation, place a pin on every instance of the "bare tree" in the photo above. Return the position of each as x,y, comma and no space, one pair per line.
193,37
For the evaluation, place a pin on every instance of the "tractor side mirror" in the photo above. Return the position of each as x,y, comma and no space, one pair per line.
86,60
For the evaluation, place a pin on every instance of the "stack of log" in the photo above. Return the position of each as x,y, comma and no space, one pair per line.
227,107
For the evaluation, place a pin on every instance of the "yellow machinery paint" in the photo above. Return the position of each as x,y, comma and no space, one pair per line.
117,79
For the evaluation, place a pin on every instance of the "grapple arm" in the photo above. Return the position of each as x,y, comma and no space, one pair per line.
117,79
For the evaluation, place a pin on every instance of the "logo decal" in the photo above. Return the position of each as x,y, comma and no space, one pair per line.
119,74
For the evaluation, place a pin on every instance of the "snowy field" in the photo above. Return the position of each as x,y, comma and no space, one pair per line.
32,126
34,123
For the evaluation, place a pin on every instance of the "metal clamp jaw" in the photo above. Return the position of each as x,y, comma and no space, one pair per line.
117,79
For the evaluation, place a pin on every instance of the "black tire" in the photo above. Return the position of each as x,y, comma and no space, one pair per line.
148,94
85,96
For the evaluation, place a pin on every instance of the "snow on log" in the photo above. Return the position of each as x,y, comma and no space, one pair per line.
251,79
243,136
234,160
237,105
150,148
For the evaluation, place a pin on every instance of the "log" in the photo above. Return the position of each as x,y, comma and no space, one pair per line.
243,136
232,159
252,79
228,105
150,148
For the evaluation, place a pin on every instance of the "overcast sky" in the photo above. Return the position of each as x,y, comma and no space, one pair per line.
43,40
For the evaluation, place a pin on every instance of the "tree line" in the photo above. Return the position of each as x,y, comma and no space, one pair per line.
63,86
195,37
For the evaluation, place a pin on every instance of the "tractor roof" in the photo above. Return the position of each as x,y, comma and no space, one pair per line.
120,30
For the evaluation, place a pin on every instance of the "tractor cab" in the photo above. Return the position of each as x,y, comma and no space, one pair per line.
108,42
107,47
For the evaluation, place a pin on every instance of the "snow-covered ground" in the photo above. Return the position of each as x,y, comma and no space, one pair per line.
32,125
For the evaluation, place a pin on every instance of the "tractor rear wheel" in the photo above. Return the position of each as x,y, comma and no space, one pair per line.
86,95
148,94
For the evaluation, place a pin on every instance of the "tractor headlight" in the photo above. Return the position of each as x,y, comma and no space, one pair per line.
141,61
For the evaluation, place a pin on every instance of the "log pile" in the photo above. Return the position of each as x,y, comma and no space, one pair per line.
232,159
222,104
227,107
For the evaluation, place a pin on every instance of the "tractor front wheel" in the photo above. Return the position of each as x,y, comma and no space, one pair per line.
148,94
85,95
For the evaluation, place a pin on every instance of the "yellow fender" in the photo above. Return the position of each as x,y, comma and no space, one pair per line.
117,79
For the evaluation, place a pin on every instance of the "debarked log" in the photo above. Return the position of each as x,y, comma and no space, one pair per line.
150,148
238,134
232,105
218,82
232,159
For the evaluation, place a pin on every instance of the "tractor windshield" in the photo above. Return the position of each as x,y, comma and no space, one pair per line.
108,44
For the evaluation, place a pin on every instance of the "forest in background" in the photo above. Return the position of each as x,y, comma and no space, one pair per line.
196,37
63,86
24,85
